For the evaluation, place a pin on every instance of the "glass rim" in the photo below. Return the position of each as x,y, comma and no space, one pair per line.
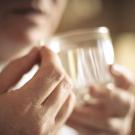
78,32
101,31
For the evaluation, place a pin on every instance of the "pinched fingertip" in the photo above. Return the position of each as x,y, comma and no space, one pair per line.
98,91
48,55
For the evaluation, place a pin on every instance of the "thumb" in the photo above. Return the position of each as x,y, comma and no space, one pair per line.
122,77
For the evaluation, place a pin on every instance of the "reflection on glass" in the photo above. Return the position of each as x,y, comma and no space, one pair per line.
85,56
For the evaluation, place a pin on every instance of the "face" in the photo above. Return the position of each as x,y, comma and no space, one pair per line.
25,22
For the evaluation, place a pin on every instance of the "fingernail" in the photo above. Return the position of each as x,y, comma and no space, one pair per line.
94,89
116,70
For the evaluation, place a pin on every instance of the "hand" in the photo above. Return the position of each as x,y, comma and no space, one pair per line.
43,104
111,111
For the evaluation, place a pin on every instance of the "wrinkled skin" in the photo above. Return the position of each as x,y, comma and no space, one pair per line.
43,104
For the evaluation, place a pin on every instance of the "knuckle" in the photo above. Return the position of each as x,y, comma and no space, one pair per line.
73,98
62,92
53,72
66,84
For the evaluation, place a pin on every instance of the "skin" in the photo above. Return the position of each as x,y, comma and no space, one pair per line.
113,103
20,31
43,104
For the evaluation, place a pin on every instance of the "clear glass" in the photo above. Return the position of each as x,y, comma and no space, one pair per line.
85,55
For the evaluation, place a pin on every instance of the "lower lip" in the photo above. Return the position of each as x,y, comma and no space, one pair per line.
28,16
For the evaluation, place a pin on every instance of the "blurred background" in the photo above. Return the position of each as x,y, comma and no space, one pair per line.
117,15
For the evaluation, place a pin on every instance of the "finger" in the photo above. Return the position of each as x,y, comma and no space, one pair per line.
114,101
13,72
90,129
118,101
57,98
49,75
122,77
98,113
99,92
99,100
121,102
66,110
81,128
91,117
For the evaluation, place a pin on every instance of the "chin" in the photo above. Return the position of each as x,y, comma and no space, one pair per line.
26,37
25,33
18,41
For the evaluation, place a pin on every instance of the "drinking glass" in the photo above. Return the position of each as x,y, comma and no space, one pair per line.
85,55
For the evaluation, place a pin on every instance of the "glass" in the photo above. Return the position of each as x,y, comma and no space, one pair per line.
85,55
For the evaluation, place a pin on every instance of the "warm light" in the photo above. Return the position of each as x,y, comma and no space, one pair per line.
103,30
108,51
54,45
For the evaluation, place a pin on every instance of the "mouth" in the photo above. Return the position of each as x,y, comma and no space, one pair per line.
26,9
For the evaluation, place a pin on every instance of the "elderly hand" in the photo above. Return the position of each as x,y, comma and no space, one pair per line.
43,104
112,109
